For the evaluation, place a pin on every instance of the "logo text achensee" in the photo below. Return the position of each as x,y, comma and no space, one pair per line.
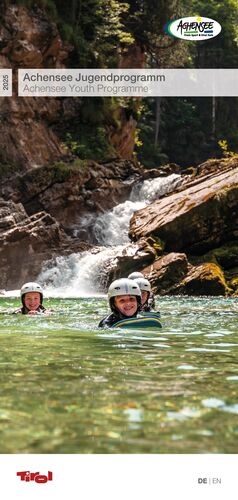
193,28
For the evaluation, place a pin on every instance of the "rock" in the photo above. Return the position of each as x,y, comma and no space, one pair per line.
33,36
197,218
170,168
129,258
123,139
26,242
234,286
231,277
152,173
166,272
173,274
216,165
227,255
71,192
206,279
10,215
30,39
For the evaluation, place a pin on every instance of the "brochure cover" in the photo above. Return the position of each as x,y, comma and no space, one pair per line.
119,253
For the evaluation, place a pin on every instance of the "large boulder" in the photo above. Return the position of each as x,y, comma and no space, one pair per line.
173,274
129,257
206,279
196,219
166,272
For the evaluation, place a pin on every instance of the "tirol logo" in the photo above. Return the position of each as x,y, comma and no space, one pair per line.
193,28
28,476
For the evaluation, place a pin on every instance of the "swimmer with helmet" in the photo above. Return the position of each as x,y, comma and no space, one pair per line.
125,301
147,296
32,298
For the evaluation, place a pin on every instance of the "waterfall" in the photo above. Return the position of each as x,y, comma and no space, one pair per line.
78,274
86,273
111,228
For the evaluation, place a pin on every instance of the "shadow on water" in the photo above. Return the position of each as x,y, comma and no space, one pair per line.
69,387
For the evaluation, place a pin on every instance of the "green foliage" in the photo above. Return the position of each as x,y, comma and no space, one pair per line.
89,142
96,29
221,51
61,171
181,136
224,147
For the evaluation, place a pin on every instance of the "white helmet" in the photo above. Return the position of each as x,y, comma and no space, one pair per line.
31,287
123,286
143,284
135,275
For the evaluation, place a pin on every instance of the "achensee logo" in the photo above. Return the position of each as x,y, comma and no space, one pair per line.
193,28
28,476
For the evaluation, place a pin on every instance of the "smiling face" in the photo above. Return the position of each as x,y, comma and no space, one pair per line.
126,304
32,300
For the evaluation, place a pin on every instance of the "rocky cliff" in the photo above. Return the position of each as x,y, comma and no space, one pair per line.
31,128
29,39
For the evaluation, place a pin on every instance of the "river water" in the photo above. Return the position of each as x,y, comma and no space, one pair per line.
68,387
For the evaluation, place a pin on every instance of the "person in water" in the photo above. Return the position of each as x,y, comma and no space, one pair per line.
32,297
124,300
151,298
145,288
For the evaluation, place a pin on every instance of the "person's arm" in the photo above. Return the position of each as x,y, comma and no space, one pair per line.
108,321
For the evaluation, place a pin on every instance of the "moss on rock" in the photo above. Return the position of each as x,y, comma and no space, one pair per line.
206,279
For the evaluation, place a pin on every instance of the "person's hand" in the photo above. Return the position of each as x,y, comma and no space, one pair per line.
33,312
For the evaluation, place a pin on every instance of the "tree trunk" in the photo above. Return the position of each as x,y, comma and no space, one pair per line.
157,119
213,117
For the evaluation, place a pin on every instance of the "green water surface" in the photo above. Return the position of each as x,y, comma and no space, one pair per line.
68,387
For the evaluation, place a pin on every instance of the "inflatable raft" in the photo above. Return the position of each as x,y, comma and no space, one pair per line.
146,321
